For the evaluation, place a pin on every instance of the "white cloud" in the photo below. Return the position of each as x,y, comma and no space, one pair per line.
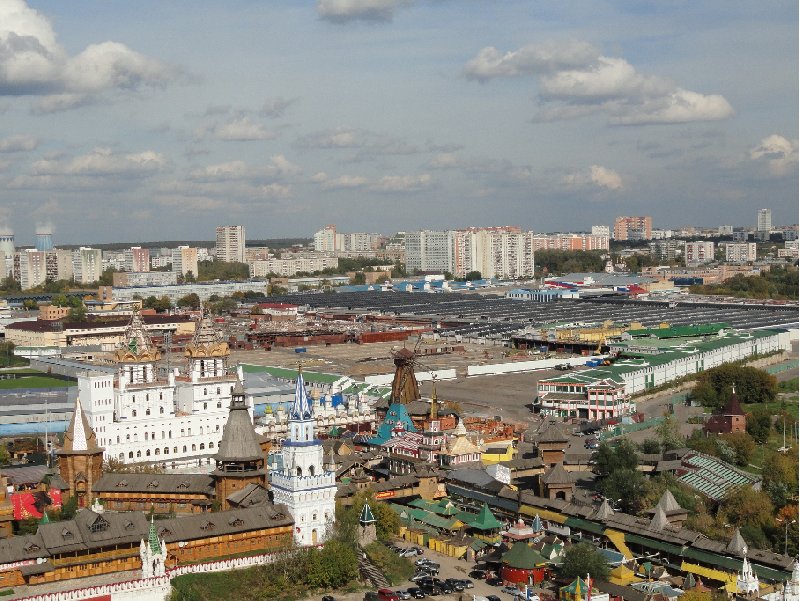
779,153
241,130
278,167
341,137
18,143
319,178
275,191
533,58
597,176
343,11
32,62
402,183
345,181
104,162
576,81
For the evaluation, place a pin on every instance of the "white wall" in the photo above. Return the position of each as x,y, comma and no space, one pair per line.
422,376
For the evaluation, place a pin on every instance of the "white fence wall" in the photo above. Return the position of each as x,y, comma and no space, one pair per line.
422,376
520,366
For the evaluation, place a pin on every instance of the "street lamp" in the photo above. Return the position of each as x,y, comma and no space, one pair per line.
786,524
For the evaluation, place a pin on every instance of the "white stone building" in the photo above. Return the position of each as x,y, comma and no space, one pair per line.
175,421
305,484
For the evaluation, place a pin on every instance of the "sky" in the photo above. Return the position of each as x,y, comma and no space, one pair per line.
143,121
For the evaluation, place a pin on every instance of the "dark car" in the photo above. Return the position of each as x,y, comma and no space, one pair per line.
479,574
466,582
416,592
494,581
455,583
493,598
328,598
447,588
431,591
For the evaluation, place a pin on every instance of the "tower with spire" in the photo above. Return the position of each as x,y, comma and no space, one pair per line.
80,460
304,483
239,459
153,553
747,581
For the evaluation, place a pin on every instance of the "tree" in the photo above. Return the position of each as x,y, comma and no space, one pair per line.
669,434
650,446
780,480
472,276
191,301
29,304
610,459
581,559
759,424
742,445
59,300
77,313
358,278
5,458
744,506
752,385
626,487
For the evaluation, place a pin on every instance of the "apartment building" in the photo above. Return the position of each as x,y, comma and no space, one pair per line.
430,250
496,252
230,243
291,266
740,252
329,240
633,228
136,259
764,220
184,260
87,264
698,253
667,250
30,268
570,242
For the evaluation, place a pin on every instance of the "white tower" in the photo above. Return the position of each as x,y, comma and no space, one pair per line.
304,484
747,581
153,554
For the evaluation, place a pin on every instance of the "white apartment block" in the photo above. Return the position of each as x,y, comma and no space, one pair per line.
725,230
87,264
184,260
325,239
30,268
764,220
601,230
328,240
661,234
137,259
698,253
740,252
204,290
230,243
570,242
789,250
496,252
290,267
430,250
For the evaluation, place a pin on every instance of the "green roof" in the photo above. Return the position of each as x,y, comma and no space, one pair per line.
284,373
524,557
484,520
366,516
426,517
441,507
593,527
681,331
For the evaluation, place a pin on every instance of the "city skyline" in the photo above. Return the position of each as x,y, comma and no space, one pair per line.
147,122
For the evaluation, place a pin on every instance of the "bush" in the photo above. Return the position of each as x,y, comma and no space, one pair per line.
396,569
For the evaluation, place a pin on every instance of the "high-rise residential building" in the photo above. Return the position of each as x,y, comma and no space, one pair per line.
740,252
725,230
570,242
329,240
30,268
325,239
7,250
601,230
667,250
230,243
429,251
496,252
44,241
184,260
764,220
699,252
87,264
137,259
633,228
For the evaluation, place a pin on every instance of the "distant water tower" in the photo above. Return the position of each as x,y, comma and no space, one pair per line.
44,242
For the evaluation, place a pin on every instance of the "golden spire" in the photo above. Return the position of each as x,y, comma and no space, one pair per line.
434,400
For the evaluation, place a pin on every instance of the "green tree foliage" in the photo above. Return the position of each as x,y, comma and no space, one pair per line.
780,481
5,457
359,278
29,304
69,508
7,356
399,270
387,523
472,276
190,301
612,458
550,262
650,446
669,434
581,559
715,386
107,277
9,284
220,270
626,487
778,283
747,508
158,304
77,313
759,424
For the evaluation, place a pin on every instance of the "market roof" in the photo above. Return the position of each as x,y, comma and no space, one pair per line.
557,475
524,557
681,331
485,519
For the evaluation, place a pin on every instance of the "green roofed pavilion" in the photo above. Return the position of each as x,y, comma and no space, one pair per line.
523,557
367,517
485,520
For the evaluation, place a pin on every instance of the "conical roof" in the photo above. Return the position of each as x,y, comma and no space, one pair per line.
79,437
603,512
45,518
485,520
207,341
557,475
668,503
689,582
461,429
152,538
366,516
733,407
659,521
522,556
536,524
737,544
239,439
552,434
301,408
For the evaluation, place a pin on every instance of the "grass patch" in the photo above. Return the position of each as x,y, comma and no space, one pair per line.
35,380
396,569
8,591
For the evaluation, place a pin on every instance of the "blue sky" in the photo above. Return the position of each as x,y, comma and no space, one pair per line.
147,121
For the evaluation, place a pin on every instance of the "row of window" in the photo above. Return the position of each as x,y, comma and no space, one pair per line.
157,451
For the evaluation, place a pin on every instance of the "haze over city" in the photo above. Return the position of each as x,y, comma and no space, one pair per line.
147,121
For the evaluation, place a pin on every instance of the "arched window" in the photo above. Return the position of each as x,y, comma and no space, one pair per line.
169,434
299,472
147,411
128,437
183,432
133,413
205,391
184,448
189,430
161,410
174,449
147,397
138,454
311,473
145,435
219,404
210,445
122,456
160,396
205,406
158,451
194,447
202,446
130,455
166,450
201,430
147,452
218,390
162,434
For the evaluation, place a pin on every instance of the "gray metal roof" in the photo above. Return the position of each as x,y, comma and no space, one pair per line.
239,439
155,483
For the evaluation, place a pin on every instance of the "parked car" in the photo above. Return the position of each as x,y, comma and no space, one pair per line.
422,561
457,585
385,594
403,595
495,581
432,590
467,583
492,598
479,574
328,598
416,592
447,588
511,590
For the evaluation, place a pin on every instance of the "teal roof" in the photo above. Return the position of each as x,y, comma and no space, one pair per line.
366,516
152,538
681,331
483,520
284,373
396,415
523,557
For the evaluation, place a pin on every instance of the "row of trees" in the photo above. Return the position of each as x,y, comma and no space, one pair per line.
715,386
778,283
